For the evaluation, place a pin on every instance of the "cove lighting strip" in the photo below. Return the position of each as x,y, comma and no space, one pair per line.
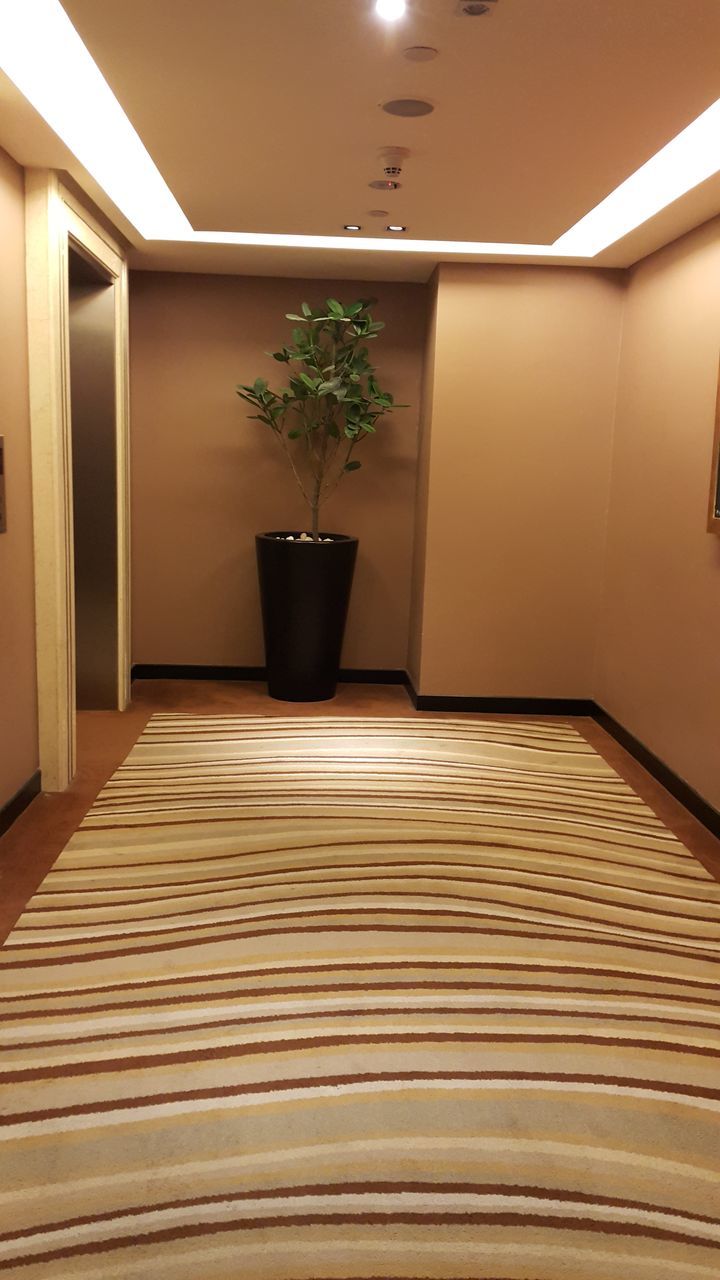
691,158
43,55
380,243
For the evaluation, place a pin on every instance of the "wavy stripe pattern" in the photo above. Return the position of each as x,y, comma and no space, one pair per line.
363,999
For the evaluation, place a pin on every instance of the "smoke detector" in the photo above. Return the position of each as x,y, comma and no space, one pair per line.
393,160
474,8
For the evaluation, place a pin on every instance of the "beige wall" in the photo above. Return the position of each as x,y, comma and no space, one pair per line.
659,659
205,480
18,711
519,455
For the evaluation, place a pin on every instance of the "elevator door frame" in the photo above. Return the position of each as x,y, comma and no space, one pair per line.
55,219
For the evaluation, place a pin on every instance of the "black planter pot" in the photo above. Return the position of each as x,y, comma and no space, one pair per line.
304,592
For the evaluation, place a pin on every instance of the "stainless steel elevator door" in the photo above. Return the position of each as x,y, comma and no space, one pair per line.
94,461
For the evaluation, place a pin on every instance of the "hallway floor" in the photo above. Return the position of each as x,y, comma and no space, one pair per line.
30,847
360,994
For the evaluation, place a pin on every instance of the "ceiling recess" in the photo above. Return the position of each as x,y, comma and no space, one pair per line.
407,107
474,8
421,53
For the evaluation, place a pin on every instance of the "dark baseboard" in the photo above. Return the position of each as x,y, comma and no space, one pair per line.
185,671
671,781
501,706
165,671
508,706
20,801
372,675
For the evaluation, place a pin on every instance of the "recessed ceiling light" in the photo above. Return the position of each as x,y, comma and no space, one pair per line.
407,107
352,226
43,55
420,53
474,8
395,226
390,10
384,184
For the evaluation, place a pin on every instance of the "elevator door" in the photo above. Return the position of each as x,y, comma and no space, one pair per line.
94,464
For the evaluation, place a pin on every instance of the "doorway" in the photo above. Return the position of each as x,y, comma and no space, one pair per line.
91,335
77,270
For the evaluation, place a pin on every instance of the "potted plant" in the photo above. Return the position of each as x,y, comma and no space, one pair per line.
332,403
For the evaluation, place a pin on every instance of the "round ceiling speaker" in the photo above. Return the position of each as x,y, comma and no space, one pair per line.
420,53
385,184
377,213
407,107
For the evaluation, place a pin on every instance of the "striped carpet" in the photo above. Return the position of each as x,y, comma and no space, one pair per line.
362,999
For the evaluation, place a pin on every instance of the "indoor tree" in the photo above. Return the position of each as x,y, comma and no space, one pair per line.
332,401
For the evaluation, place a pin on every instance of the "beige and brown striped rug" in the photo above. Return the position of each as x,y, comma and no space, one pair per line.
352,999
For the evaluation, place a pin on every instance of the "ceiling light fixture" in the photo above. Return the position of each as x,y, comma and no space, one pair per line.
690,158
421,53
43,55
408,108
395,226
352,226
390,10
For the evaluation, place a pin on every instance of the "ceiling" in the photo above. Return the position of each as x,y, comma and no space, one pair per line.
264,115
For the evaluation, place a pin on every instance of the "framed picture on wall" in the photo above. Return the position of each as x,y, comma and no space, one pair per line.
714,504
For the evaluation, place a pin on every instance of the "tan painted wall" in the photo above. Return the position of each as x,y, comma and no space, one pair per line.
18,708
659,659
524,392
205,480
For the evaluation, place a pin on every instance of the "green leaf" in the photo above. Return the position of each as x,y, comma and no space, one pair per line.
352,466
306,310
294,434
336,309
326,388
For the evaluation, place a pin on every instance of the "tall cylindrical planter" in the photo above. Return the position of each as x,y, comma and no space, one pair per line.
304,592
